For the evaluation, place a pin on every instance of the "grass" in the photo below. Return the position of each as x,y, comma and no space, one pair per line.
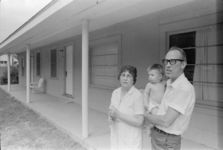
23,129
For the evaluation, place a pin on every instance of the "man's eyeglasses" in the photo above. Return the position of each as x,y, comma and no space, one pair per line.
171,61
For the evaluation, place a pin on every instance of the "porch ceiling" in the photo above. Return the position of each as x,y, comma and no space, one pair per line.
62,20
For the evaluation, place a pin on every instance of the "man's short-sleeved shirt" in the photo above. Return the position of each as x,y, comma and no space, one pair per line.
180,96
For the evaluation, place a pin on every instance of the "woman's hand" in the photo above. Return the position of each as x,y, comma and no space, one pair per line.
110,120
114,113
134,120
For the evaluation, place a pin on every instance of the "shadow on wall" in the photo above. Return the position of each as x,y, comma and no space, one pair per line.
220,73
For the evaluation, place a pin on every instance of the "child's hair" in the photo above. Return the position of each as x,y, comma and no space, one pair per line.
157,67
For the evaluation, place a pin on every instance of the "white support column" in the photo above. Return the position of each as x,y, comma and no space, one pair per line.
27,74
9,77
85,67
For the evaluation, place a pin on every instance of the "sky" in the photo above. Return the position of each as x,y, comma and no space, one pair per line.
13,13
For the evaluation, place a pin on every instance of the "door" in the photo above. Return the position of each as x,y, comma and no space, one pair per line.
32,68
69,71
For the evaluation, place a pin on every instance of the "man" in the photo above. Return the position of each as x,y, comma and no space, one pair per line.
177,104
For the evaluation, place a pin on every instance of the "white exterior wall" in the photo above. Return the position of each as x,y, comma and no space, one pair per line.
142,43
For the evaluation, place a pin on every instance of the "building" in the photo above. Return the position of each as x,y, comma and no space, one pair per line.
4,60
3,68
79,46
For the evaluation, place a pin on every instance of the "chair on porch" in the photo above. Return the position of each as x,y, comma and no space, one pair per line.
38,87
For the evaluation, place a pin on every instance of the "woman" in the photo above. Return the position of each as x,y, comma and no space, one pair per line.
126,112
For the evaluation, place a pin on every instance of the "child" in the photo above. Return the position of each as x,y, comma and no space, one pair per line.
154,89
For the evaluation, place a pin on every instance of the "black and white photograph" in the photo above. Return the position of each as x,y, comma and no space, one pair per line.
111,74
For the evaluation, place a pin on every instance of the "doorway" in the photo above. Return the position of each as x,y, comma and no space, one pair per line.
69,71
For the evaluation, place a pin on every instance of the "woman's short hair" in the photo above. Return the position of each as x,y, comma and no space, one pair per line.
131,69
157,67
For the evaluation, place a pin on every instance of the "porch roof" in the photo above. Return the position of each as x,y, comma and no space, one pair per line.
62,19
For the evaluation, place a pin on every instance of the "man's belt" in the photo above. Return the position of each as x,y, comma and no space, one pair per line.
162,132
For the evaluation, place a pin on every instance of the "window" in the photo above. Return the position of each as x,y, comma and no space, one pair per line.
38,64
104,60
187,42
53,63
205,62
22,66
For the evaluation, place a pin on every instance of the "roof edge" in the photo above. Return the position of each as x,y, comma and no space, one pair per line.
29,20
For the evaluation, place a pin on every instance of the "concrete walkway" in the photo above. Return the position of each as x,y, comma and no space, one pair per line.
66,115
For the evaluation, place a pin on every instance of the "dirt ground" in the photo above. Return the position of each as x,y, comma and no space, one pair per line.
23,129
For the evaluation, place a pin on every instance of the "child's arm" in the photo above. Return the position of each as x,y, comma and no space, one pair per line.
147,94
147,89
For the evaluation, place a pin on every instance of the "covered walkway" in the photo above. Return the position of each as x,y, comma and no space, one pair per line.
66,115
